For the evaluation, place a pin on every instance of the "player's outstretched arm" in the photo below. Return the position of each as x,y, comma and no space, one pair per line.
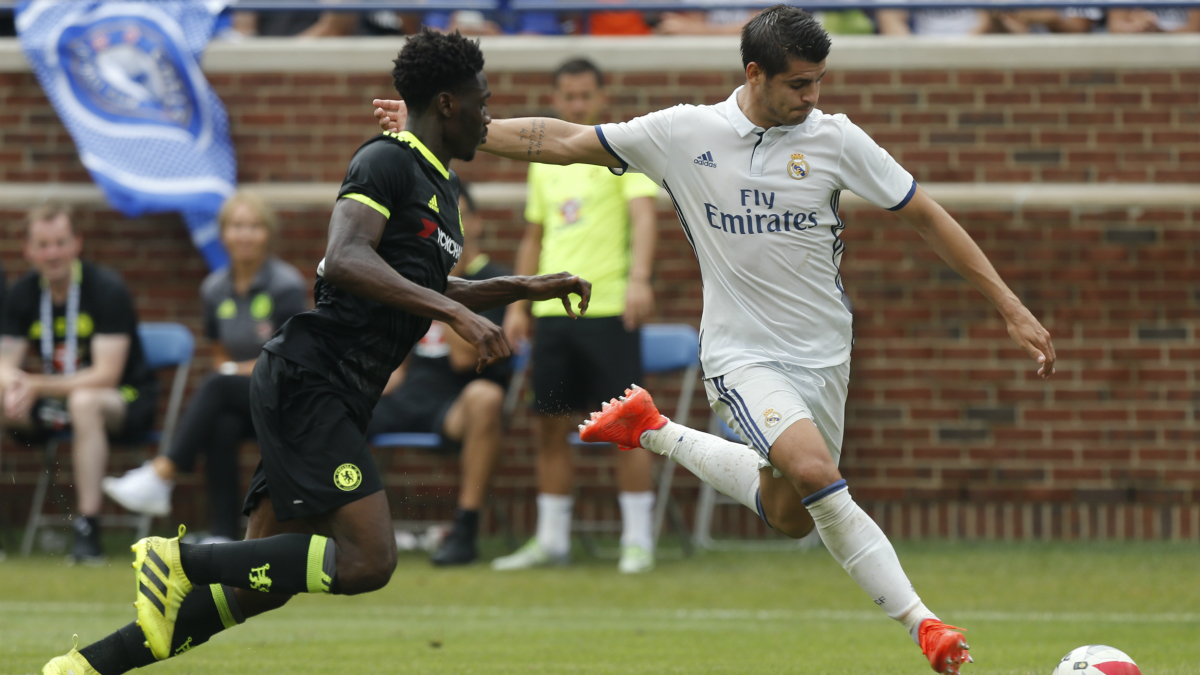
352,265
500,291
950,241
531,139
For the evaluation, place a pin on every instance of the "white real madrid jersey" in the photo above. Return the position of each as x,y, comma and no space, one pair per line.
759,208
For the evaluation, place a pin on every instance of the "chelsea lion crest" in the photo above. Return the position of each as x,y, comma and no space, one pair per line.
798,167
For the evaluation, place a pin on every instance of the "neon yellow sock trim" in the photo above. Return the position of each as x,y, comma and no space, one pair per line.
318,582
227,619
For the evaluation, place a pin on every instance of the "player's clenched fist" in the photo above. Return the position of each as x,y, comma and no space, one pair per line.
561,285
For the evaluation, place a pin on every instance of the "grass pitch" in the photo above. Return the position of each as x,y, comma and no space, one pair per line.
1025,605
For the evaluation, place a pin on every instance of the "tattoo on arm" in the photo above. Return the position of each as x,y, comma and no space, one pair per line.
534,135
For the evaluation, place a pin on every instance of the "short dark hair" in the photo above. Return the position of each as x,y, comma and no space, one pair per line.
431,62
464,190
576,66
780,33
50,210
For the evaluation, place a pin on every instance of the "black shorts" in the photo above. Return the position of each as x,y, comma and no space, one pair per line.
139,418
313,439
579,363
407,410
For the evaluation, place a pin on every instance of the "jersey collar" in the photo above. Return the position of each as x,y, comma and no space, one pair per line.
408,137
742,124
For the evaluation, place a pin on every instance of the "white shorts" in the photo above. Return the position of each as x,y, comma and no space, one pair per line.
761,400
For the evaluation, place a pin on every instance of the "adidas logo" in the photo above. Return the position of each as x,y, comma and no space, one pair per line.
433,204
705,160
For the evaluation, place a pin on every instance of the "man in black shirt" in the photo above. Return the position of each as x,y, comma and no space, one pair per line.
79,319
438,390
319,520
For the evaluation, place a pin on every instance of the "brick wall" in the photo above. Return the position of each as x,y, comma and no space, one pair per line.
944,126
949,432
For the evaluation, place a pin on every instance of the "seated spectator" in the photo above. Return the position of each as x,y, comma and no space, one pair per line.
1164,20
467,22
730,22
622,22
933,22
714,22
79,319
438,391
846,22
296,24
244,304
1069,20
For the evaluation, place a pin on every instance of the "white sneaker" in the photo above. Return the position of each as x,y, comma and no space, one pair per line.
140,490
635,560
530,555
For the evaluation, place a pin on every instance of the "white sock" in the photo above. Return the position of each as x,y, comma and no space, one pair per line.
554,523
637,509
731,468
858,544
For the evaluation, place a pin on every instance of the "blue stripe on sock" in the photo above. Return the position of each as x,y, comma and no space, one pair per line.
758,505
824,492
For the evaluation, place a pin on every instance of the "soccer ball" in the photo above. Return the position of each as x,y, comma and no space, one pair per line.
1096,660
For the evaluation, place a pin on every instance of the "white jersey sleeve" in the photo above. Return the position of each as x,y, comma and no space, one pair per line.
869,171
642,144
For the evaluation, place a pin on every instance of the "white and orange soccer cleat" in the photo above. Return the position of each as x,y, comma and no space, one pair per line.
945,649
624,420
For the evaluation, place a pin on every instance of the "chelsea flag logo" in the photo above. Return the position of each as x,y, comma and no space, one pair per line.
797,167
124,68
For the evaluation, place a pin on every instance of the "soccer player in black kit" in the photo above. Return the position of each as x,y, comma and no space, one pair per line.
319,519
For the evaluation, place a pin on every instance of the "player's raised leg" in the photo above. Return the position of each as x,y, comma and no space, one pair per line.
810,492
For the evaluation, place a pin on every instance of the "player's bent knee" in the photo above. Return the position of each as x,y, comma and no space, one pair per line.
367,573
795,526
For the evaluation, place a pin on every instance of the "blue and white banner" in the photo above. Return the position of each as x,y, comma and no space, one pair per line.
125,79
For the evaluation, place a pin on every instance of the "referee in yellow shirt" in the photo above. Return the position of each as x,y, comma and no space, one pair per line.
602,227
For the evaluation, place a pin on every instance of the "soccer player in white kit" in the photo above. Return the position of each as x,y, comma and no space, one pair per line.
755,181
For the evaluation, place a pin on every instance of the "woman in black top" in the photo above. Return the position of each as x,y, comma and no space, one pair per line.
244,304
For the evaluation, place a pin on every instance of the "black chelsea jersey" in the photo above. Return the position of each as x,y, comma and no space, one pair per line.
356,343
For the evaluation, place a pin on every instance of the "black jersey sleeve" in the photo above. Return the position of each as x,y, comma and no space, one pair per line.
114,313
379,176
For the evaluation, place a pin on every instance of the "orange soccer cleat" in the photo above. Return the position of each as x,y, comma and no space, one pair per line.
945,649
624,420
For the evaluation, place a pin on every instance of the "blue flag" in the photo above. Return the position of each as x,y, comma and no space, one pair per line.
125,79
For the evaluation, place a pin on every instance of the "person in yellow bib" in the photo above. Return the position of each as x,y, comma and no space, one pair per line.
582,217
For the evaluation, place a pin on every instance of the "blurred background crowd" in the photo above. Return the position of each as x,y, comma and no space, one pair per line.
951,22
944,22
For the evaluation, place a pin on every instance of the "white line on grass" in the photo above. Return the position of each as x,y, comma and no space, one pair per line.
698,615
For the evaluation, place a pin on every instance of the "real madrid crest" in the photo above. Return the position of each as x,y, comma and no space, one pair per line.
771,418
797,167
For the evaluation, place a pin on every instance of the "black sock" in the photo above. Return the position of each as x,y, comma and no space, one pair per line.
120,652
285,563
205,612
467,522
